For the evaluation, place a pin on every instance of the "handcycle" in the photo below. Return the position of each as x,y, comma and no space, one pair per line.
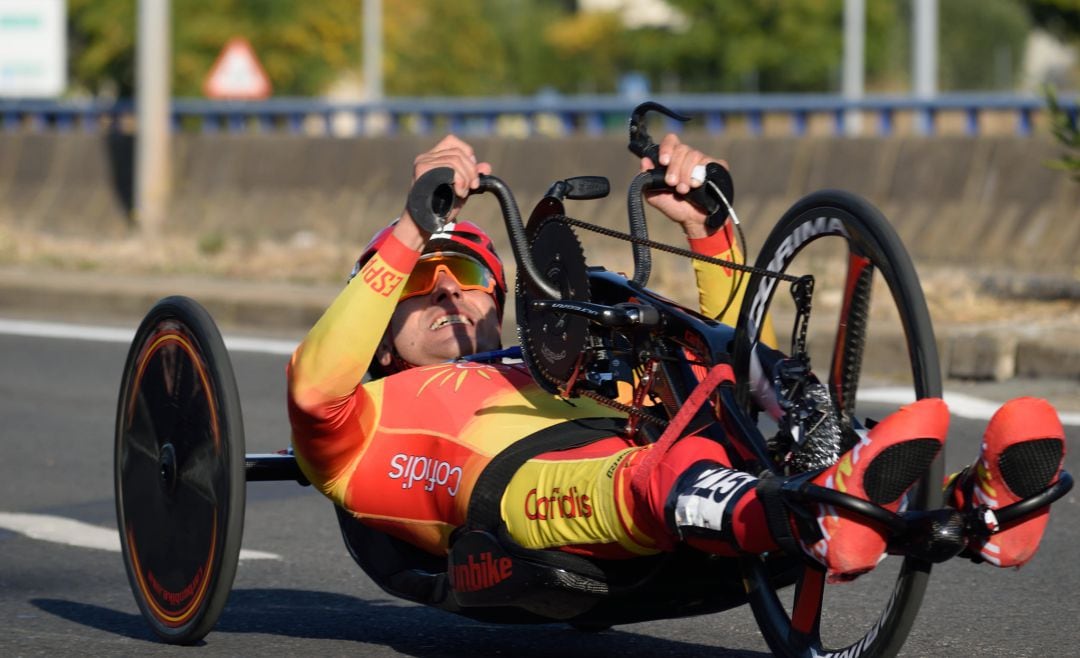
181,465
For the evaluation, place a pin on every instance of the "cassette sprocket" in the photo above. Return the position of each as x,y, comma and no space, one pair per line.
552,343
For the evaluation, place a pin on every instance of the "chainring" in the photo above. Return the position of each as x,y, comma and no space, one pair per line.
551,342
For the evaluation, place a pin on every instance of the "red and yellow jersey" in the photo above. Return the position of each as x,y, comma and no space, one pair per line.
716,284
403,453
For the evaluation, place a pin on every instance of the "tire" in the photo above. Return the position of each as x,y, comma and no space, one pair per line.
872,249
179,471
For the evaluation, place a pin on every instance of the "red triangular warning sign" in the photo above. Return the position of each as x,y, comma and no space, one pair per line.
237,74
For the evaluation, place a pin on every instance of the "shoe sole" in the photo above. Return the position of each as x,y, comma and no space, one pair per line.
1030,466
897,468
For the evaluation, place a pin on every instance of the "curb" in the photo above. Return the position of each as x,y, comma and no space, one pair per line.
1002,354
235,305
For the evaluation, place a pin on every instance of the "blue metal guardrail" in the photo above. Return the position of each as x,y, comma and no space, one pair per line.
540,114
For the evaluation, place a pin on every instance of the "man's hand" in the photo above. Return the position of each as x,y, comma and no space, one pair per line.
680,160
450,152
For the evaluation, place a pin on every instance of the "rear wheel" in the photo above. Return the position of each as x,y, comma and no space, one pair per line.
869,327
179,470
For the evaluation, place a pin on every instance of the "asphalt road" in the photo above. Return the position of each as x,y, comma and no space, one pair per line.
57,406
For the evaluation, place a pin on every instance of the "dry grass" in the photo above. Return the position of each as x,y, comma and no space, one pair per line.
954,295
301,260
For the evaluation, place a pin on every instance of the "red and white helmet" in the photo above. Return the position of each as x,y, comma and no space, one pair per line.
460,236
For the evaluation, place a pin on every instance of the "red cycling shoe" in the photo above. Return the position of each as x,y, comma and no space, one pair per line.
1022,453
881,468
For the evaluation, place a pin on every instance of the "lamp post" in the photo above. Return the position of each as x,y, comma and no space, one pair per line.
854,61
152,85
924,57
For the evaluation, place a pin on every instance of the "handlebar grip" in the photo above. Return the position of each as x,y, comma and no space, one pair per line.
704,197
721,178
431,199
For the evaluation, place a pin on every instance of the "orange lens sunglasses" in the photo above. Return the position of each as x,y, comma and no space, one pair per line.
469,273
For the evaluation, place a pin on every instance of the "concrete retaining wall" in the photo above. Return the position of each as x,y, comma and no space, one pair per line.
975,201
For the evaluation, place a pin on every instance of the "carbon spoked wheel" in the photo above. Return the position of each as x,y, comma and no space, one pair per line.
869,332
179,470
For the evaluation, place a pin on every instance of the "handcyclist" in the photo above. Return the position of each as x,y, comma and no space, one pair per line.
403,452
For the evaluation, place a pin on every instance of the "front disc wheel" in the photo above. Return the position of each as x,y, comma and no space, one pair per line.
179,471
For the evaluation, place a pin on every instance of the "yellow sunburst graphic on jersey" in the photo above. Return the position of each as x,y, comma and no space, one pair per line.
456,373
843,472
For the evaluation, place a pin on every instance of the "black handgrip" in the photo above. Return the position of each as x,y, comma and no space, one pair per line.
718,175
714,196
706,197
431,199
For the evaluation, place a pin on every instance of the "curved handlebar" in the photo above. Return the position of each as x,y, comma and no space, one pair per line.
432,197
714,197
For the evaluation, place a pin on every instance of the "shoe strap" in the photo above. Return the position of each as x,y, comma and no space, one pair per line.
779,516
963,481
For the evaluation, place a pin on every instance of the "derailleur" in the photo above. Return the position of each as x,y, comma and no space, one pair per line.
808,436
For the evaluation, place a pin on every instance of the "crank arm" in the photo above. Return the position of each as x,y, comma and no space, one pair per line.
932,535
618,316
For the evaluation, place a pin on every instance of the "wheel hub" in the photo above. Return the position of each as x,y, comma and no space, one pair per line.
167,468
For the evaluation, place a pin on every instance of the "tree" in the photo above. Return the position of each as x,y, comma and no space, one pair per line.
1063,126
507,47
761,45
489,47
1059,17
101,34
452,51
302,45
981,43
588,51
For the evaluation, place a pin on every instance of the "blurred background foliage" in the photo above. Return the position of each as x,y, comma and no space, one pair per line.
508,47
794,46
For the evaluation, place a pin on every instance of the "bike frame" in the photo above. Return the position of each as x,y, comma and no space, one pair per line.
696,372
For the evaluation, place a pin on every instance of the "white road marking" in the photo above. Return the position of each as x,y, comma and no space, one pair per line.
960,404
124,336
61,530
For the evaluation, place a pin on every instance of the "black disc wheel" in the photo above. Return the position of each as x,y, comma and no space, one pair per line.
179,470
870,342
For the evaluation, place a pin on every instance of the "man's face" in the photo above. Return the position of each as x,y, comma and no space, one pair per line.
442,325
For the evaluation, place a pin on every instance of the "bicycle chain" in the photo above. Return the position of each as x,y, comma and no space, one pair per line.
671,249
659,246
644,416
